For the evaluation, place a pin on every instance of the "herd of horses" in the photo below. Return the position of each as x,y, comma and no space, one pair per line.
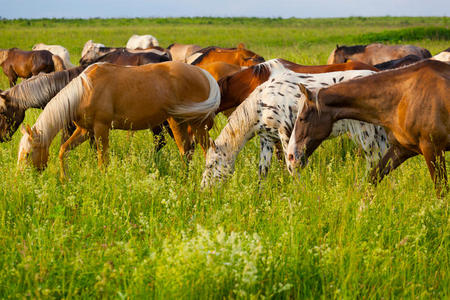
391,100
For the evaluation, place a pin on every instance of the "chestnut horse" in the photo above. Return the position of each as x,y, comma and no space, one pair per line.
107,96
236,88
373,54
220,69
238,56
18,63
412,103
181,52
126,58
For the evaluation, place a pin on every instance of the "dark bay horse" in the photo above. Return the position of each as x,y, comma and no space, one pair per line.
412,103
238,56
373,54
126,58
18,63
397,63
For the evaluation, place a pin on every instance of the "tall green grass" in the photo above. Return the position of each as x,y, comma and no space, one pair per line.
145,229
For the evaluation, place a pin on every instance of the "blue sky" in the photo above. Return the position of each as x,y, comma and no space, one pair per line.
225,8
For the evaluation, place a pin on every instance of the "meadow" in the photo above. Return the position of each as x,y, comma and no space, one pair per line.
145,229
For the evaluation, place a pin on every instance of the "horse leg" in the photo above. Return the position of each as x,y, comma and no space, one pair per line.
202,137
12,77
284,139
182,139
394,156
77,138
436,167
265,155
101,134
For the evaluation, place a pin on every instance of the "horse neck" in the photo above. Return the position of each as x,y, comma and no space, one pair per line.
37,92
61,110
239,129
361,99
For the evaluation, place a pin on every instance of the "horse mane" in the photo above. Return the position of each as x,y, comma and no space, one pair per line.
61,110
37,91
350,50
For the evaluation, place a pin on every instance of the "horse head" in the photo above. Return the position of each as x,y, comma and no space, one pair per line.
337,56
247,57
31,146
11,116
311,127
218,165
91,51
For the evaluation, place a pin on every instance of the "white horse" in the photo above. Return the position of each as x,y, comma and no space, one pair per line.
443,56
270,111
56,50
91,46
142,42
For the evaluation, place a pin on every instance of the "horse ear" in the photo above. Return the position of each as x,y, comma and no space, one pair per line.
212,144
337,46
308,94
241,46
27,130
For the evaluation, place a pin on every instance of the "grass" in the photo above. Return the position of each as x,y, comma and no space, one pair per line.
145,229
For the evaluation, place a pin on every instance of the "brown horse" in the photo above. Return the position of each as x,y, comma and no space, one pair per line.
412,103
92,52
238,56
236,88
397,63
220,69
373,54
181,52
18,63
126,58
107,96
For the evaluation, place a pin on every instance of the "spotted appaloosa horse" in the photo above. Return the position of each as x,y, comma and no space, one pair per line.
373,54
270,111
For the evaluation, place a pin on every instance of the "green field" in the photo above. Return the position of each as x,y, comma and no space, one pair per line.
145,229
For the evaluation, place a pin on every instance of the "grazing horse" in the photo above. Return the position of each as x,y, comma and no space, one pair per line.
443,56
270,111
412,103
18,63
397,63
107,96
93,53
238,56
181,52
373,54
142,42
56,50
35,92
220,69
126,58
236,88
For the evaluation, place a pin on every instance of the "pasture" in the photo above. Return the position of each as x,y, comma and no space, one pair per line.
145,229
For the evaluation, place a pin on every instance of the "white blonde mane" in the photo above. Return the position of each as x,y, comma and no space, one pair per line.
61,110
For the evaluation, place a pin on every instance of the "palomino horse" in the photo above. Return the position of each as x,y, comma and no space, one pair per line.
270,111
126,58
238,56
373,54
107,96
56,50
236,88
397,63
142,42
18,63
181,52
35,92
412,103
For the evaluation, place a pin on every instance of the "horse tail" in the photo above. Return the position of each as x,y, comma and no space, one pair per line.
61,110
58,63
201,111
